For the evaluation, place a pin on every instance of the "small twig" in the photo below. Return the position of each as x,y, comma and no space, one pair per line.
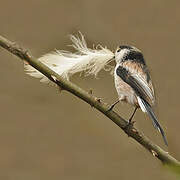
155,150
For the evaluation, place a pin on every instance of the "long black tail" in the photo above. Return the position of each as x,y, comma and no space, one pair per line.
147,108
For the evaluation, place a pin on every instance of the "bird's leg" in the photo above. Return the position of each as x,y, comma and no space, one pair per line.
112,106
130,119
130,122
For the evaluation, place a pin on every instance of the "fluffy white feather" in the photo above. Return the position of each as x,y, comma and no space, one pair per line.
89,61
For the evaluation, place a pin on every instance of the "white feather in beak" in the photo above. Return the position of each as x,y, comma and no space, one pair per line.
89,61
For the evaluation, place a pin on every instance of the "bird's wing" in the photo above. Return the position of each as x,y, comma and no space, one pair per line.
137,83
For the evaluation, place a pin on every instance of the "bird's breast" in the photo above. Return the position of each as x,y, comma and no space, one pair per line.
125,92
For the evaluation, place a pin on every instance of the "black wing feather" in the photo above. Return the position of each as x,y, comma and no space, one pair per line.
154,120
124,74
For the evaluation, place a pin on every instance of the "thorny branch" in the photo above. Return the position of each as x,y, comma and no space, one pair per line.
155,150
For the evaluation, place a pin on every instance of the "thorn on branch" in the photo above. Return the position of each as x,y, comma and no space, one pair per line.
19,51
134,130
90,92
154,153
54,78
99,100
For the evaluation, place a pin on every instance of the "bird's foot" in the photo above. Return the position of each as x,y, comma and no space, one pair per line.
130,124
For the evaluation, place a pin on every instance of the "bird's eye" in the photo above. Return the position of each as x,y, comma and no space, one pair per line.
118,50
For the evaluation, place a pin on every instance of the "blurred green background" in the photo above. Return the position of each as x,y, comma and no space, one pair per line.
47,135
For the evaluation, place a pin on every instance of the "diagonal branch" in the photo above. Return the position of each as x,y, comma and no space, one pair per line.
155,150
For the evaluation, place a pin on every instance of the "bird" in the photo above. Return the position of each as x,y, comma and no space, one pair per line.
133,83
132,78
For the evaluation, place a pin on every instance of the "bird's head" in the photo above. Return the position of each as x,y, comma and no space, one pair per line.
124,53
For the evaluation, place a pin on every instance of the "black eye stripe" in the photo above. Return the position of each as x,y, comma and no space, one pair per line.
134,56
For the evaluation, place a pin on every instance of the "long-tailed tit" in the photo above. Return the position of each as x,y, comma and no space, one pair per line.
132,79
133,83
